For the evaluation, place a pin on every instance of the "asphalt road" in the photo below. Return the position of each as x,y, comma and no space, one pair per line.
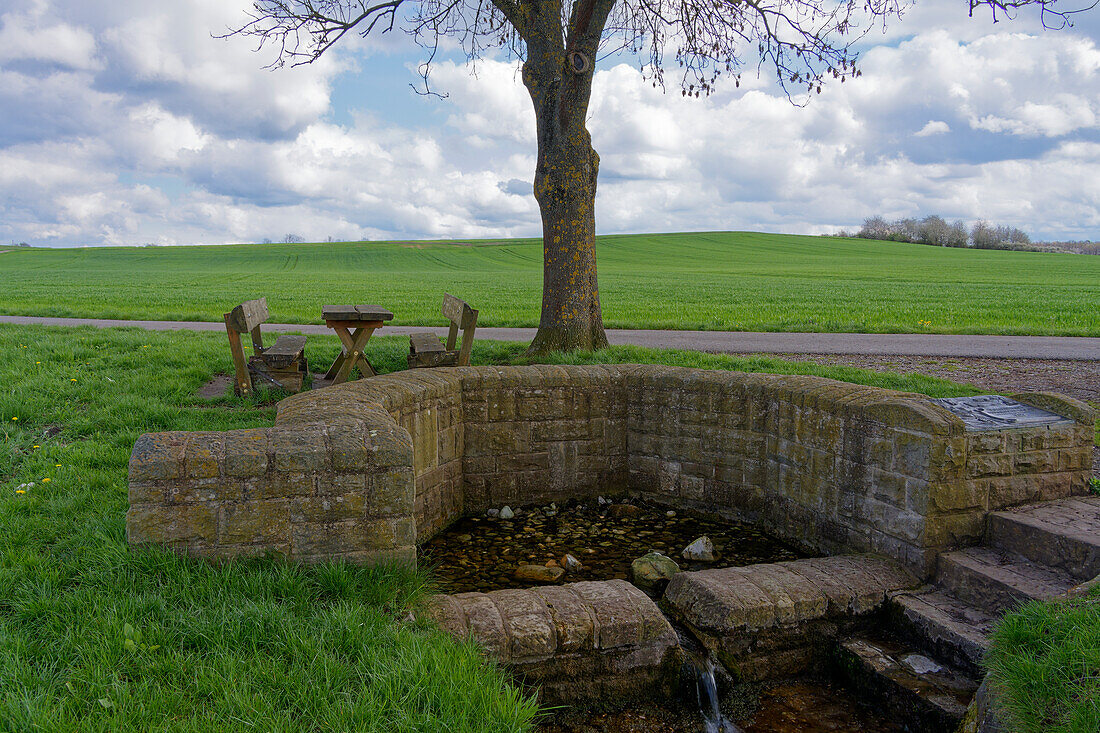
731,342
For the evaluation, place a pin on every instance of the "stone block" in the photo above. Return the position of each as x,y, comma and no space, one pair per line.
296,449
617,621
912,455
202,456
983,466
993,442
254,522
485,625
155,523
348,449
390,445
246,452
391,492
158,457
527,624
331,508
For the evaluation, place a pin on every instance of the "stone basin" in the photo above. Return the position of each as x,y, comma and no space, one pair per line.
881,481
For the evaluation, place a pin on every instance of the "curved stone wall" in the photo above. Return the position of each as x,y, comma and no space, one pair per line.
362,470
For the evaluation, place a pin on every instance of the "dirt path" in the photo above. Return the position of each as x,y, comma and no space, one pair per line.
872,344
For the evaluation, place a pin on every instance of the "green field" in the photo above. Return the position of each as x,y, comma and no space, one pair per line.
714,281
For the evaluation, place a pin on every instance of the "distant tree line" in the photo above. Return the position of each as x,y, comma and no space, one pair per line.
936,231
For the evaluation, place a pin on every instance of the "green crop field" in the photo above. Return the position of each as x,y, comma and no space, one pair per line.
714,281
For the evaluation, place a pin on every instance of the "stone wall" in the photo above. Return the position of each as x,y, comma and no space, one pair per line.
308,492
542,434
362,470
841,467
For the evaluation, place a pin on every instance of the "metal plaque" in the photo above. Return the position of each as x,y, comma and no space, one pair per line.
994,412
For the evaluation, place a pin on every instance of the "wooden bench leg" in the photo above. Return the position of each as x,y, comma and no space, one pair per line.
467,346
243,385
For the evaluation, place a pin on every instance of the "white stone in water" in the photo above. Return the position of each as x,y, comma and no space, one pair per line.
702,549
492,513
601,500
920,664
670,513
507,513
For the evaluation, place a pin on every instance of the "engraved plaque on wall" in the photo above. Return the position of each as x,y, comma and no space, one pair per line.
994,412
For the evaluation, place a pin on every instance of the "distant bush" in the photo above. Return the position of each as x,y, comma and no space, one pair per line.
935,230
1086,247
293,239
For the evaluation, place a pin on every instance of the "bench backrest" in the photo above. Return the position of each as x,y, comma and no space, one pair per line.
247,316
463,317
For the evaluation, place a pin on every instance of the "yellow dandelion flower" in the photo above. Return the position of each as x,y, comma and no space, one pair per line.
57,465
15,419
46,480
36,446
72,380
20,491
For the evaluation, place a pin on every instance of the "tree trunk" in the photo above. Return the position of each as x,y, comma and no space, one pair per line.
565,188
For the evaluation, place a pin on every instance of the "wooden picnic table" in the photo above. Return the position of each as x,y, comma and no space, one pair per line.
354,324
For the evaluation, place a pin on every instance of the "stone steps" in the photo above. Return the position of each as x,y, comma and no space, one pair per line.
996,581
945,626
1062,534
925,694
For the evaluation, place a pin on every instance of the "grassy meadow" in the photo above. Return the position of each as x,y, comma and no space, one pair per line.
1045,660
712,281
95,636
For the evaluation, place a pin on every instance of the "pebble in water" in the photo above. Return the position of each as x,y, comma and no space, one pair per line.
488,561
507,513
702,549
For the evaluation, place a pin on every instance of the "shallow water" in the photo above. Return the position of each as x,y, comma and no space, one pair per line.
798,705
481,553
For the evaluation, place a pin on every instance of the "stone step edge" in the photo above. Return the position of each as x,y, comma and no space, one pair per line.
1000,586
1049,545
961,643
922,702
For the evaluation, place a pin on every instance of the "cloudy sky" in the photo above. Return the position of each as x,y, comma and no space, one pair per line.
125,122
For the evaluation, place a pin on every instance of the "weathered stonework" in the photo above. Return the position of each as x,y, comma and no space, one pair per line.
363,470
592,641
770,620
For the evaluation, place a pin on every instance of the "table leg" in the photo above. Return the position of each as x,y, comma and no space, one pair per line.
353,354
332,370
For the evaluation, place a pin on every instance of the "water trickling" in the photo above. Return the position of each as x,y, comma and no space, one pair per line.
706,690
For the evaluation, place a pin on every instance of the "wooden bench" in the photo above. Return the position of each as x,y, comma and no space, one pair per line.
426,350
280,365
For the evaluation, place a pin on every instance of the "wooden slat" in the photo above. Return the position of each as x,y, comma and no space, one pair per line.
355,313
433,359
248,315
373,313
287,350
339,313
458,311
422,343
